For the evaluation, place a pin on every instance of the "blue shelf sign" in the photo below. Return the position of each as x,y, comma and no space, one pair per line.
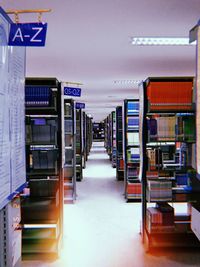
72,91
80,105
27,34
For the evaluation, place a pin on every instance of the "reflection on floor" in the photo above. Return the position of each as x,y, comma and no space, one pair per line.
102,230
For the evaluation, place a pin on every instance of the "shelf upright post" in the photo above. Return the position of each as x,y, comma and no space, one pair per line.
194,35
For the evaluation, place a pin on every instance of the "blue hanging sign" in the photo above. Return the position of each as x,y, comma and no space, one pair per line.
72,91
80,105
27,34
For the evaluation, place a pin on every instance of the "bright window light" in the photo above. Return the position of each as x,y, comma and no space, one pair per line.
160,41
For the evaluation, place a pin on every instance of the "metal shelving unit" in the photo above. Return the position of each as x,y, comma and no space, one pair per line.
131,149
98,131
69,148
113,138
89,135
167,134
84,158
79,145
42,206
119,145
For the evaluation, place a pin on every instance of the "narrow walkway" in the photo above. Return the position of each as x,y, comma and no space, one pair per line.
100,226
102,230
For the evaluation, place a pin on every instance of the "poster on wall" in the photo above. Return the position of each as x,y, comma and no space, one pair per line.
12,126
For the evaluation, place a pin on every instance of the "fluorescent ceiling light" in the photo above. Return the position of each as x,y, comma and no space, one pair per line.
127,82
160,41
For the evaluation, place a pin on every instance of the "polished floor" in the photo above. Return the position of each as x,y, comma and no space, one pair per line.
102,230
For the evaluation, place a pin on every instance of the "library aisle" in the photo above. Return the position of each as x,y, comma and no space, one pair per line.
102,230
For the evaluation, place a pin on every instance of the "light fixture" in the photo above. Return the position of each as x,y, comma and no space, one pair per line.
113,96
142,41
125,82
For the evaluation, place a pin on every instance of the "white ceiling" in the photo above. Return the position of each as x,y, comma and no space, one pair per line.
88,41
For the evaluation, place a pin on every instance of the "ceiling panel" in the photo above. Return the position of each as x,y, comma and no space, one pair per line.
90,42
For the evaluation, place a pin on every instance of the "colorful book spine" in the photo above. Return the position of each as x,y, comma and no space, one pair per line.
170,95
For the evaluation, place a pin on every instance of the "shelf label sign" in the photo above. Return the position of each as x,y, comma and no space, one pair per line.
72,91
27,34
80,105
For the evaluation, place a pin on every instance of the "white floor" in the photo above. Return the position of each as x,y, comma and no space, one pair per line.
102,230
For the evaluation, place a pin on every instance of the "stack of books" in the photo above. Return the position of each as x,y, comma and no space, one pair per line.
159,190
160,218
134,189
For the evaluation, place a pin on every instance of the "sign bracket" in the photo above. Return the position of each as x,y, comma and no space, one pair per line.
23,11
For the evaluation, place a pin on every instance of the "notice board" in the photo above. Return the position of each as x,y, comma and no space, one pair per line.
12,114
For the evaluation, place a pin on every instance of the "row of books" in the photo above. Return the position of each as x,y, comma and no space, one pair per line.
160,218
159,190
172,128
67,109
44,159
68,126
133,139
181,179
120,163
43,187
133,154
132,123
134,189
171,95
37,96
41,133
168,157
133,171
132,108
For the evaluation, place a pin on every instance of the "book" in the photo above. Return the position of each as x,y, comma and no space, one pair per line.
133,139
170,95
159,221
152,126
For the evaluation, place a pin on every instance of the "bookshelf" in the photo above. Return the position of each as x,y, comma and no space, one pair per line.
119,144
42,202
89,135
195,216
167,172
69,156
79,144
113,138
131,150
106,134
98,131
109,136
84,140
